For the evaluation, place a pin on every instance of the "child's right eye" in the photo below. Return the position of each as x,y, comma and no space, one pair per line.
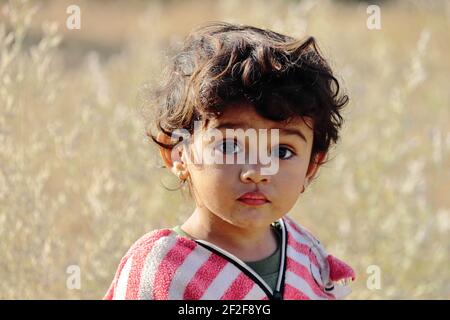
229,146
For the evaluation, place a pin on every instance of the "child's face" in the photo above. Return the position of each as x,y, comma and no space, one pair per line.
217,187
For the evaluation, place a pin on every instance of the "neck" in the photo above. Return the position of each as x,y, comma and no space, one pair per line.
248,244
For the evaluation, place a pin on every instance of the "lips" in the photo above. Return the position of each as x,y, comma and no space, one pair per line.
253,198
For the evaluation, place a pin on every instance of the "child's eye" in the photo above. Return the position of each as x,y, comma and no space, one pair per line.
229,146
283,152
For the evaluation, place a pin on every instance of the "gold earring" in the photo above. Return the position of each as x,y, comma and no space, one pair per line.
306,185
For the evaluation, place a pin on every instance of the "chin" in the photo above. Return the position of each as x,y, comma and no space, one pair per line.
250,220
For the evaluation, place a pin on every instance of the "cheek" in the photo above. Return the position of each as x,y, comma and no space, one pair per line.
289,185
218,180
289,181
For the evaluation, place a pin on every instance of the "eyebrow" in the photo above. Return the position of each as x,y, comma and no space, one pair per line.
239,125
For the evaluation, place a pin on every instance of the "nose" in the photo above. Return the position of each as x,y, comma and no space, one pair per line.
252,174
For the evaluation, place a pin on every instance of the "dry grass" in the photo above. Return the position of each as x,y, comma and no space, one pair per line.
78,179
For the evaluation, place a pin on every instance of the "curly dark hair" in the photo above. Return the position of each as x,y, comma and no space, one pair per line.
282,77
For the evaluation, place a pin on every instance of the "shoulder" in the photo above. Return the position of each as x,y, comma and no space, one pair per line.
155,239
150,247
331,273
303,236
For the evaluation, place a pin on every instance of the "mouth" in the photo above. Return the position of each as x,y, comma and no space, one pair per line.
253,198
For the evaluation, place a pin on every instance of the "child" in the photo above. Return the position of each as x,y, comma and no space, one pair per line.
239,243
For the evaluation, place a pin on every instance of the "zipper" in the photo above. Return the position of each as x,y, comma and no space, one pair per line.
272,294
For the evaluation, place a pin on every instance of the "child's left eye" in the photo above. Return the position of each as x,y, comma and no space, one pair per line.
283,152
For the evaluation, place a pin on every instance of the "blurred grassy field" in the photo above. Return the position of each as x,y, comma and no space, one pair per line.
79,181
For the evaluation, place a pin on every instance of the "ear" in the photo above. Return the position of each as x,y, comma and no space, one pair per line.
314,165
172,158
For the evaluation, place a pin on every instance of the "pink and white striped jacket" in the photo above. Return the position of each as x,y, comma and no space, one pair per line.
163,265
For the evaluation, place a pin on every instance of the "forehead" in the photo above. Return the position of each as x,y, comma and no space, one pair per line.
244,115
